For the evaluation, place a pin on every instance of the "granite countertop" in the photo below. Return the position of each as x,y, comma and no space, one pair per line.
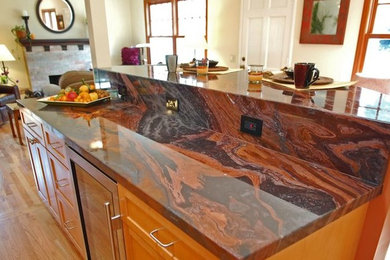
237,198
354,101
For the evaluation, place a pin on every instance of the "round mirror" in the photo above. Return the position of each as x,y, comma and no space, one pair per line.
55,15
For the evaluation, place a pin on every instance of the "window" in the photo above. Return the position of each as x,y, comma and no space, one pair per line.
50,18
374,107
168,22
373,49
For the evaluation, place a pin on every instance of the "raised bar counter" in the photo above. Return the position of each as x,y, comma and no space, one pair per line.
237,195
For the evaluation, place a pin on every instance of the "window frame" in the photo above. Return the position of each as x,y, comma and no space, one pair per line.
175,24
366,33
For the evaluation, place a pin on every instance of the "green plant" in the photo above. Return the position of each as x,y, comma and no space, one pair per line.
317,23
18,28
19,31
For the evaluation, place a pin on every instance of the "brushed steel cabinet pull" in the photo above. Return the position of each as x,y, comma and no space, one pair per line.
108,216
151,234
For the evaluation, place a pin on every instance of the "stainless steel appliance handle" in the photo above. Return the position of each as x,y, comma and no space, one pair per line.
151,234
108,215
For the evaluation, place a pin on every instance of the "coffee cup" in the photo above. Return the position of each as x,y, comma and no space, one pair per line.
305,74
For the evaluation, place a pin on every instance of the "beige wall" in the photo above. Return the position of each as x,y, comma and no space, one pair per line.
110,30
223,31
334,61
137,22
12,16
119,27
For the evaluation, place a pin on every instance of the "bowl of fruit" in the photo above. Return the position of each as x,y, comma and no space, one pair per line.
85,95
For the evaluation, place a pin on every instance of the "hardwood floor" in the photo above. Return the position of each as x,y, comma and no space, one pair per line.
27,230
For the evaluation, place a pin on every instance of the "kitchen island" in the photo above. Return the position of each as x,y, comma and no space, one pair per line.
237,195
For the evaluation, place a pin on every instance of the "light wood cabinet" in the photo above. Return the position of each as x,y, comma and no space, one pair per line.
42,175
52,176
148,235
71,223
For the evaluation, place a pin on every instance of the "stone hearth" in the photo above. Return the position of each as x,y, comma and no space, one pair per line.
45,60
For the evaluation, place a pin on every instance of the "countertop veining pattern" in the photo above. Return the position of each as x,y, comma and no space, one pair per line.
238,196
350,144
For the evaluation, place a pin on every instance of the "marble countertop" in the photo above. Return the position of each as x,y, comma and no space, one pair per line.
356,101
238,199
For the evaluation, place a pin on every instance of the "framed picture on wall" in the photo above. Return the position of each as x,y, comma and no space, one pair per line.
324,21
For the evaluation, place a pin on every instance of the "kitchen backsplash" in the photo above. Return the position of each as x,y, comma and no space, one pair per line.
353,145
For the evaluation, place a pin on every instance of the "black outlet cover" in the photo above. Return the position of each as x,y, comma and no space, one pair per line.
251,125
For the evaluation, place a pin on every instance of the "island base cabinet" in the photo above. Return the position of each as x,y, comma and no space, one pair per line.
71,224
136,247
338,240
52,177
149,235
42,175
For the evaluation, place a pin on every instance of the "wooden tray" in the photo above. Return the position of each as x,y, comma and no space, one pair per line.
215,69
282,78
70,103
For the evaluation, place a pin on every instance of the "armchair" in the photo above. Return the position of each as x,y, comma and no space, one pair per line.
8,94
71,78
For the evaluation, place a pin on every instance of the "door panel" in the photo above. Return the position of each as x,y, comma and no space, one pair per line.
267,32
276,53
255,41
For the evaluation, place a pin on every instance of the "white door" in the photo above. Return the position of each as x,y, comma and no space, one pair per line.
267,32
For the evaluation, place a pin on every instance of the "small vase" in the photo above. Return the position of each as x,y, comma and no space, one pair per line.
21,34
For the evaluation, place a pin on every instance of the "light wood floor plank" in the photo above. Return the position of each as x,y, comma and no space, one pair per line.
27,230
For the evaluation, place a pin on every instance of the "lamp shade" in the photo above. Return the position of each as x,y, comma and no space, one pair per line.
5,54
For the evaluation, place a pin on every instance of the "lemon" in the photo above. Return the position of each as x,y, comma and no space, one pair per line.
93,96
84,88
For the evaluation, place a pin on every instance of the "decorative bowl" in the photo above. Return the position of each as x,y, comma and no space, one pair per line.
213,63
289,73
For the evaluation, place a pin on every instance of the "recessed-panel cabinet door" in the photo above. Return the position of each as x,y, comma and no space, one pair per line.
37,166
42,173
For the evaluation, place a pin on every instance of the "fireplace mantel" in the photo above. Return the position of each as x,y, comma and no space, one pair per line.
46,43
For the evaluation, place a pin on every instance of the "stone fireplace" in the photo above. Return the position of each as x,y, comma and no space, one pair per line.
54,57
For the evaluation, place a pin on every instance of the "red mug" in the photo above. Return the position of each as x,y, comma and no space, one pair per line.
305,74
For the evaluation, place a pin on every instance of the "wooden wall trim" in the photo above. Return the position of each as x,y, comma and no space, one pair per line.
46,43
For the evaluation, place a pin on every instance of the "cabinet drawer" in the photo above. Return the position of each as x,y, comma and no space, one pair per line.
159,233
62,179
32,124
55,143
71,223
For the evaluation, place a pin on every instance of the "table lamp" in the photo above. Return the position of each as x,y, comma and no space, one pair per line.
5,55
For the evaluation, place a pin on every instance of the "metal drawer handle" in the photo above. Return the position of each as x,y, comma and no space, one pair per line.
109,222
32,141
31,124
67,223
56,145
151,234
64,184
